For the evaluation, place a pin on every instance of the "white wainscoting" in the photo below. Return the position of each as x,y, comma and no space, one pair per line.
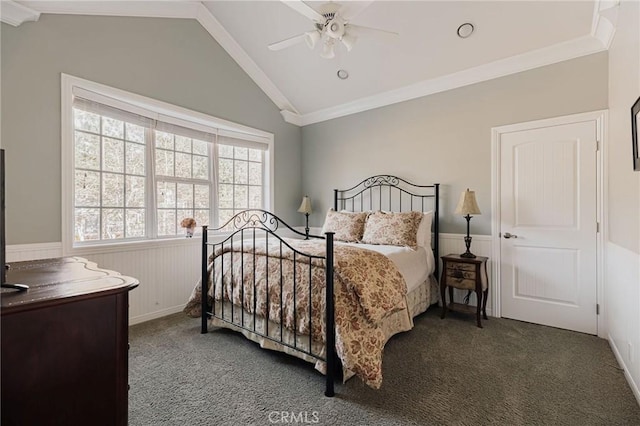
168,273
480,246
622,297
20,252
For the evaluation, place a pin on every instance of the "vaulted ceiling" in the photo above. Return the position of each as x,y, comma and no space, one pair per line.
427,55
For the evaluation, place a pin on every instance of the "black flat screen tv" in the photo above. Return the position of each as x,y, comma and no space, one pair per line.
3,238
3,241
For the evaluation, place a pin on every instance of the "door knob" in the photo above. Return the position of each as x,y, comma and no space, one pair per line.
508,235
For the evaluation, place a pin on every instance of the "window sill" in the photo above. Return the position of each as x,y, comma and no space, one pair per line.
123,246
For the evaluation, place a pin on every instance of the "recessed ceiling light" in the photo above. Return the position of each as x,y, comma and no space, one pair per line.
342,74
465,30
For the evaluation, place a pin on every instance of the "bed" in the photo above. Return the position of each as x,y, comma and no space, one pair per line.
375,259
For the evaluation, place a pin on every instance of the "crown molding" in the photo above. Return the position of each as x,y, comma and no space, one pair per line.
15,14
605,18
291,117
602,32
146,9
572,49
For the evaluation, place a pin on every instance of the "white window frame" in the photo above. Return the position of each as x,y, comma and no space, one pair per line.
160,111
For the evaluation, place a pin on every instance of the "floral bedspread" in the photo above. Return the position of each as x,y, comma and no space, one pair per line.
367,287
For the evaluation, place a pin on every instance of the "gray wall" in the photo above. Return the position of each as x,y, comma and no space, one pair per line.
445,137
172,60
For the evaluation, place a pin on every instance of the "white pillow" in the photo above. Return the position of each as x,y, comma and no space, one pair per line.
423,237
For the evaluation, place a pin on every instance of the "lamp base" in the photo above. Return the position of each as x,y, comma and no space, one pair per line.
467,242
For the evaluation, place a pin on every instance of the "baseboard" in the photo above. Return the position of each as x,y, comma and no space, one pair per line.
632,384
156,314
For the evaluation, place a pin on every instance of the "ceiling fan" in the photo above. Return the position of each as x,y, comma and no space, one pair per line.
332,26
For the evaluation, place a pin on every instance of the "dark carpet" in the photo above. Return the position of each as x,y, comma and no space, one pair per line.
443,372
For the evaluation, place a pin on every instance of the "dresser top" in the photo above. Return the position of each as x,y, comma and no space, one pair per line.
53,280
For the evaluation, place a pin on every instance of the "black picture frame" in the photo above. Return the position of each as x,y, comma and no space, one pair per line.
635,133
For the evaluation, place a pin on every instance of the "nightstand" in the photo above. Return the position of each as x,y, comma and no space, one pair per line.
467,274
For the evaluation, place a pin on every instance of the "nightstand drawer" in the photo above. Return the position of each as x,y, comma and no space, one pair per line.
461,266
462,283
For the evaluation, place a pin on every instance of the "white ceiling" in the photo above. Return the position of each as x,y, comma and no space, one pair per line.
426,57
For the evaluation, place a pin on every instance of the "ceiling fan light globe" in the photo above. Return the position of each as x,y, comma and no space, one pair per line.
311,38
327,51
348,41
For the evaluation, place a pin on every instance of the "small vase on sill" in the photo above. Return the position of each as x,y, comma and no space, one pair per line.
189,233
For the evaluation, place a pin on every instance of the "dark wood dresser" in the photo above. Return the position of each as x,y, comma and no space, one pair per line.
65,344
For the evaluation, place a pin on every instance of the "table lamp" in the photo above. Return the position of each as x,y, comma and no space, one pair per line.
467,206
305,207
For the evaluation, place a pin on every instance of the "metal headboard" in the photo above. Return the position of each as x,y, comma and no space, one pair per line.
391,193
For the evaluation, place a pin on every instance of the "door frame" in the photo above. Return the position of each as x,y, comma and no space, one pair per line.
601,118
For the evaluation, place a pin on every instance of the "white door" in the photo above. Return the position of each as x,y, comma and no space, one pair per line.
548,213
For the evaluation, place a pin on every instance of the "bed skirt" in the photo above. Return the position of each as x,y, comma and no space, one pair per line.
418,301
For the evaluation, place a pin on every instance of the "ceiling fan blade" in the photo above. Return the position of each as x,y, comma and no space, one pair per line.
300,7
351,9
367,31
287,42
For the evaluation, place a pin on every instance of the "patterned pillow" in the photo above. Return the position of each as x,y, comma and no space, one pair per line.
348,227
396,229
424,230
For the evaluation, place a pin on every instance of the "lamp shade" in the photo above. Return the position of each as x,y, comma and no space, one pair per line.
305,206
467,204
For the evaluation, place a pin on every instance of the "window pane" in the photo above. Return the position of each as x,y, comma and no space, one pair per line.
225,196
201,217
255,173
241,172
112,155
112,127
200,147
135,223
134,133
135,164
112,224
87,191
112,190
225,151
255,155
201,196
183,144
87,151
225,171
164,140
166,194
185,196
135,191
166,222
200,167
183,165
241,153
164,162
255,197
240,199
87,224
86,121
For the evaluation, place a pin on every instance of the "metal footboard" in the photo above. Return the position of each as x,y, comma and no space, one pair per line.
244,230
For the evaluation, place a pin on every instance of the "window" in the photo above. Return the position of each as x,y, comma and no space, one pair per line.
134,172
